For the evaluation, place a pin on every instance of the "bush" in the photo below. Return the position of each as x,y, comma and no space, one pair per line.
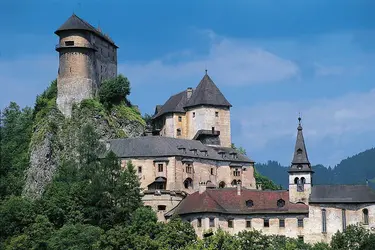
114,91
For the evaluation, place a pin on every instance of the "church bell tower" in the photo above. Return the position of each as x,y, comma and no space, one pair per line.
300,172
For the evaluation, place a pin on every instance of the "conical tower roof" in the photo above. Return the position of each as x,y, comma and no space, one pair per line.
300,162
76,23
207,93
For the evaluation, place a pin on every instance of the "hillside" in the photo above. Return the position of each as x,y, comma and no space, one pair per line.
353,170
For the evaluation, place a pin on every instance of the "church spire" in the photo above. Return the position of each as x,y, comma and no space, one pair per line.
300,162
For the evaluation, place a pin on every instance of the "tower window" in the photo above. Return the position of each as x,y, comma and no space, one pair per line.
189,169
324,221
199,222
69,43
193,114
178,132
299,151
266,222
343,215
281,222
212,222
230,223
300,222
216,114
365,216
180,119
212,171
139,170
236,172
248,223
188,183
160,167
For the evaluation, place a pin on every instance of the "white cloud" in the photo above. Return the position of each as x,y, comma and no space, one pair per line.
341,122
233,62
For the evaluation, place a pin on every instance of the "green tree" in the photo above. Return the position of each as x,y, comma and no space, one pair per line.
352,238
15,136
114,91
177,234
16,214
75,237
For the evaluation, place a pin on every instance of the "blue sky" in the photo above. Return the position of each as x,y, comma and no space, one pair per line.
271,59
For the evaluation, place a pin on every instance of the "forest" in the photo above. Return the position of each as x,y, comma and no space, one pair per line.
92,203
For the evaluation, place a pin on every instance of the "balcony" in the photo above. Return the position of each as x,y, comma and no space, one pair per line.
61,46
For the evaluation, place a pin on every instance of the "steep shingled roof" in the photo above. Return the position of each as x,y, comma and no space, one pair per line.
342,194
160,146
226,201
76,23
207,93
175,104
300,162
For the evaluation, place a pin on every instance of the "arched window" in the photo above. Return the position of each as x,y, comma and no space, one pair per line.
234,182
303,180
296,180
188,183
324,221
365,216
280,203
222,184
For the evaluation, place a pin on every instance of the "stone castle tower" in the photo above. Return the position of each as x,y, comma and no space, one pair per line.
300,172
86,58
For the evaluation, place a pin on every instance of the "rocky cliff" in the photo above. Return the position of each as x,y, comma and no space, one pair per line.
54,137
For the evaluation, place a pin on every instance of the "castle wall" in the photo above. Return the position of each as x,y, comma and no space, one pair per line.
106,59
175,171
291,228
312,222
204,117
334,222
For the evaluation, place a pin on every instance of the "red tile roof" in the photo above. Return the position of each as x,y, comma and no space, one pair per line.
227,201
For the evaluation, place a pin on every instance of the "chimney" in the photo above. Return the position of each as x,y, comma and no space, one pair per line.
238,188
202,187
189,92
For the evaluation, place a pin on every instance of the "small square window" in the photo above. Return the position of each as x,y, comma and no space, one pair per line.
160,167
281,222
266,222
248,223
162,208
199,222
230,223
193,114
216,114
180,119
300,222
300,238
212,222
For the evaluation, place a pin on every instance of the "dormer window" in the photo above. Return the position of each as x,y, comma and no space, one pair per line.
249,203
234,155
194,150
299,151
299,167
280,203
204,151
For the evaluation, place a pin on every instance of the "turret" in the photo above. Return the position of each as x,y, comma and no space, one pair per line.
86,57
300,172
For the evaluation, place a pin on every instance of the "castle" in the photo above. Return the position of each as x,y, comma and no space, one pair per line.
187,167
86,58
